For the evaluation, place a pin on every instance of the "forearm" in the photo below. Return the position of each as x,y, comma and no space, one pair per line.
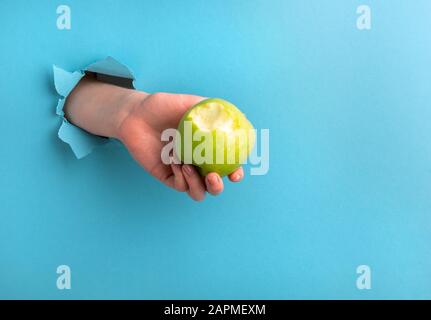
100,108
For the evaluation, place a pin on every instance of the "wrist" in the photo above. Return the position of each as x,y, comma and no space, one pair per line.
126,112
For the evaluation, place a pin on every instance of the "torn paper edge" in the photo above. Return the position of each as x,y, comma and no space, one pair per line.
80,141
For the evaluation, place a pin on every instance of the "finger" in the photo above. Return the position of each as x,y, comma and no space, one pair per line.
187,100
214,183
194,180
180,183
237,175
177,104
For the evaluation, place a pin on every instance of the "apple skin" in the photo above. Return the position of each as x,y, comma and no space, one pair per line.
227,119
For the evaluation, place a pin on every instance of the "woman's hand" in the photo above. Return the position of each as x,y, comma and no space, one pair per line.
140,131
138,119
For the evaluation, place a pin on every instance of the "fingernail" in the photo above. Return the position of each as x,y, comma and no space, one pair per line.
187,169
236,176
213,179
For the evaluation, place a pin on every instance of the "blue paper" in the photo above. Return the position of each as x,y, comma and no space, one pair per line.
80,141
349,182
111,67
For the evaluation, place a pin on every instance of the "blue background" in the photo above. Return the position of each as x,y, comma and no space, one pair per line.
350,167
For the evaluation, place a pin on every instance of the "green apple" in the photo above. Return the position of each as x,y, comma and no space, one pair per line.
215,136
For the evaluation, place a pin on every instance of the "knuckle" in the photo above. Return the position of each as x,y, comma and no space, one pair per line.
158,97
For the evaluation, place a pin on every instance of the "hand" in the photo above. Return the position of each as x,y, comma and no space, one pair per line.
138,120
140,131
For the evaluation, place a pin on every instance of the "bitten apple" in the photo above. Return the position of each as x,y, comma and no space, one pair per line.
215,136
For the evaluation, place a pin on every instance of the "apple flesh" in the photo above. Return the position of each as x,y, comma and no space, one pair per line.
215,136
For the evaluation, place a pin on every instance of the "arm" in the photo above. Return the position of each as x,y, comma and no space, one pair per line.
137,119
100,108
